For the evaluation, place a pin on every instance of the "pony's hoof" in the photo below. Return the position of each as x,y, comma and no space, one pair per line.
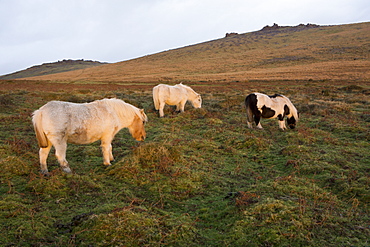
45,172
67,170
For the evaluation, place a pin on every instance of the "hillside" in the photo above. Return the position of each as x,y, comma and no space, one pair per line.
303,52
52,68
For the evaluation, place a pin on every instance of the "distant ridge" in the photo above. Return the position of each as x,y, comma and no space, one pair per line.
52,68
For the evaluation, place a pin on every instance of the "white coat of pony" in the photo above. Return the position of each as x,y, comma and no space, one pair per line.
175,95
58,123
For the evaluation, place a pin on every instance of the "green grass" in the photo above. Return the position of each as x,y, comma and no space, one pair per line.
201,178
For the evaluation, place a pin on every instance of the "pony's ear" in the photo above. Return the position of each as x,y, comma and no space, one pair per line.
143,114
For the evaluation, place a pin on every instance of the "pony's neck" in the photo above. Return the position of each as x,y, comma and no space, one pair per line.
293,111
124,111
190,91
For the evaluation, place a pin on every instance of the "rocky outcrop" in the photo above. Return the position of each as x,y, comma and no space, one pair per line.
230,34
277,27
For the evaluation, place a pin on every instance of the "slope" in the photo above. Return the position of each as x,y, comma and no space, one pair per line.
303,52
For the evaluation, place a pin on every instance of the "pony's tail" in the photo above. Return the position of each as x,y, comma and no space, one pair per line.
249,109
37,125
155,97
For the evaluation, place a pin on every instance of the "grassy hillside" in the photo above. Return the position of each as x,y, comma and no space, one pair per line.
304,52
52,68
200,179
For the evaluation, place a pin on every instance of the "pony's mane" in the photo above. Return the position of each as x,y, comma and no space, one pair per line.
186,87
122,108
276,95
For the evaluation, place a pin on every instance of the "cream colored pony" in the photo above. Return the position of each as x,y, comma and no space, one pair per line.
58,123
175,95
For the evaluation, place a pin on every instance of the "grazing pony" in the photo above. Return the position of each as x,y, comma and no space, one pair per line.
276,106
175,95
58,123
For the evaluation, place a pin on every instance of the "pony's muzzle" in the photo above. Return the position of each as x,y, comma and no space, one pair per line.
140,139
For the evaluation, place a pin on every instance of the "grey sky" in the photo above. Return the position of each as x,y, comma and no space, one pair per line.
33,32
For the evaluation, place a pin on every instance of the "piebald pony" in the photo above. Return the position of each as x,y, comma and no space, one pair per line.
276,106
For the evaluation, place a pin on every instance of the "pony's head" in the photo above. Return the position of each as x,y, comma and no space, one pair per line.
194,98
197,101
137,127
290,112
291,121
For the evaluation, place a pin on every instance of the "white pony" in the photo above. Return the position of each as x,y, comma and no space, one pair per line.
276,106
175,95
58,123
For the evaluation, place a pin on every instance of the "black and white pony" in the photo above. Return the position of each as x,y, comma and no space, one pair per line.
276,106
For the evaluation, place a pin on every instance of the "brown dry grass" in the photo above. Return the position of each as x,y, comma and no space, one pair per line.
323,53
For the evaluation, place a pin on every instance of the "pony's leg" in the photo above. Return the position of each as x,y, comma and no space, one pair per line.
60,153
107,152
178,107
282,125
181,106
43,154
111,158
161,106
257,120
249,117
281,122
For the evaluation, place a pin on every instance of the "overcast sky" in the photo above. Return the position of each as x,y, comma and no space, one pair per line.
33,32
